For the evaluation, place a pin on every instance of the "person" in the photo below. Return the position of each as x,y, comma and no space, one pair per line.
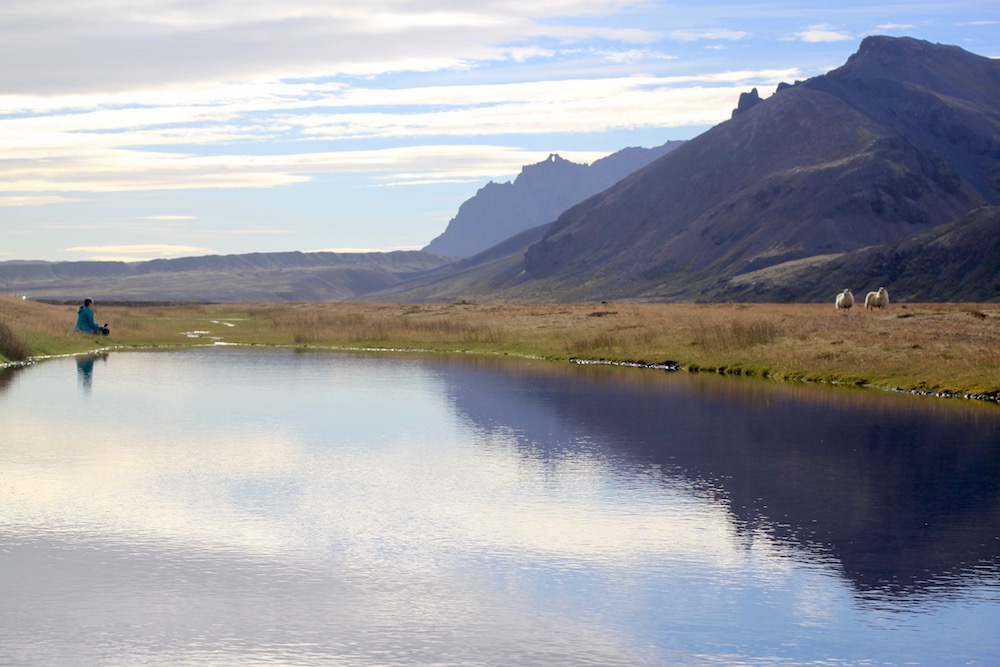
85,320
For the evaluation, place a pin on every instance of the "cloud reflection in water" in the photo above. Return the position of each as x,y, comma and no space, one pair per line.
217,506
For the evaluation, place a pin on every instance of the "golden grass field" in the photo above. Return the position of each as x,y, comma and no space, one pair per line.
935,348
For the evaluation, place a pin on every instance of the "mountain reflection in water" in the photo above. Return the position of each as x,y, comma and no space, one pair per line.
234,506
904,492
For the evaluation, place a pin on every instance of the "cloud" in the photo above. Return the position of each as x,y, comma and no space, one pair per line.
256,231
695,35
163,95
36,200
228,136
159,250
633,56
820,33
61,45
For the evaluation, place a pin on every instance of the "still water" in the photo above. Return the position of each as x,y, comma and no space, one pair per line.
227,506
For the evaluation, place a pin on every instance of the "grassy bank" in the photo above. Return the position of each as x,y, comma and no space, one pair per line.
950,348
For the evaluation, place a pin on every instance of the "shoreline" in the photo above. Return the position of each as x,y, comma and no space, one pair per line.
931,350
671,367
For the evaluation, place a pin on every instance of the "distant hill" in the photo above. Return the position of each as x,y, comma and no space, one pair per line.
959,261
256,277
538,195
475,277
903,138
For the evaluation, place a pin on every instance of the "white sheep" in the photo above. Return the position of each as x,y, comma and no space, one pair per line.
845,300
879,299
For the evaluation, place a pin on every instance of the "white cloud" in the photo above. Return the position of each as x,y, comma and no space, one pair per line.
36,200
695,35
165,95
633,56
820,33
61,45
219,137
144,249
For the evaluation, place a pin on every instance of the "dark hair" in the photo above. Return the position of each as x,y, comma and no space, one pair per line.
87,302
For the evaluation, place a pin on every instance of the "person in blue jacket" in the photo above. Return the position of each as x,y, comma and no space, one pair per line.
85,320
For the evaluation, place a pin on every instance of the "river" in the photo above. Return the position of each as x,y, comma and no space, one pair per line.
234,506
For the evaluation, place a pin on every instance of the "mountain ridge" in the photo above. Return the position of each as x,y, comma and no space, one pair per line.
845,160
539,193
804,172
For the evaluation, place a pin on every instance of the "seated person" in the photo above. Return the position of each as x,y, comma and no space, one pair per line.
85,320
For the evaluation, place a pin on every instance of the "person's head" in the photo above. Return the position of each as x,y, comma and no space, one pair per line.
87,303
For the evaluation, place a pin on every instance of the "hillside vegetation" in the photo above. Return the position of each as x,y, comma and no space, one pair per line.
954,262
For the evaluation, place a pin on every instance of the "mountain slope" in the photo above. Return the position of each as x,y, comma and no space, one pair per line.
904,137
538,195
472,278
901,139
959,261
939,97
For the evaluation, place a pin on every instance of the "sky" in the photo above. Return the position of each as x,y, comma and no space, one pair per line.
139,129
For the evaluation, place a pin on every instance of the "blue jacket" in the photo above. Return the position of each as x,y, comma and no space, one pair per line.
85,320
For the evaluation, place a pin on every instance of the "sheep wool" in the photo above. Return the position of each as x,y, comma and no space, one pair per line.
879,299
845,300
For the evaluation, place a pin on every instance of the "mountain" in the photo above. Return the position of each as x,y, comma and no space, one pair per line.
901,139
538,195
959,261
255,277
904,137
884,171
478,277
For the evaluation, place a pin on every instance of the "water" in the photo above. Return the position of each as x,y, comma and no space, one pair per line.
237,507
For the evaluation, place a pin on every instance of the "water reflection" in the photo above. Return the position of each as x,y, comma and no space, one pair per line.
243,507
85,369
7,375
903,492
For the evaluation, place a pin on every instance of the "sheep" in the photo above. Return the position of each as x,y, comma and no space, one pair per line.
879,299
845,300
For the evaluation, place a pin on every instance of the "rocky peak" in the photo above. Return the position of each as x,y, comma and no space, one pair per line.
553,162
947,69
747,101
885,50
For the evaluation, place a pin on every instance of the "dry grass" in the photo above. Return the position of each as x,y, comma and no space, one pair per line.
932,347
11,347
320,324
